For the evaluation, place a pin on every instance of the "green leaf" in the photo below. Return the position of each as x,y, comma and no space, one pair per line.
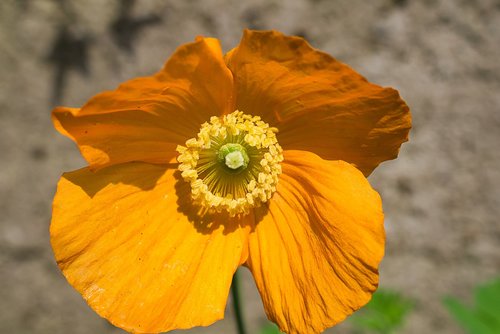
385,313
270,329
484,317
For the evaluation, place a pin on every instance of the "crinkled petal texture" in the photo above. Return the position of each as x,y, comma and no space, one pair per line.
146,118
120,239
317,103
315,253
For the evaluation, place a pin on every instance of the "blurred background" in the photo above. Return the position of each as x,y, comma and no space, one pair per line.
441,197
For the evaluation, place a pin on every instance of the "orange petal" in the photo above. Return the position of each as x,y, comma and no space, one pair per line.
315,253
123,239
146,118
317,103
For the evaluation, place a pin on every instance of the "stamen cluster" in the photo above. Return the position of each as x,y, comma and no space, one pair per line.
219,184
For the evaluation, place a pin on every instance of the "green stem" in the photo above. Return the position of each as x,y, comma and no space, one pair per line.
235,290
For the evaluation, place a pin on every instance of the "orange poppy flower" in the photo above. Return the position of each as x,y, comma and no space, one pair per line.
255,158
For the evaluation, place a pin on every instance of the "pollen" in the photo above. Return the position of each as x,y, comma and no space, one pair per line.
233,164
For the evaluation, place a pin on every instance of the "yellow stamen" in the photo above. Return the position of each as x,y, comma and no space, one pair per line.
233,164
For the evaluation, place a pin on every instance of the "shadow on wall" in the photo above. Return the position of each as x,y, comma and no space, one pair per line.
71,46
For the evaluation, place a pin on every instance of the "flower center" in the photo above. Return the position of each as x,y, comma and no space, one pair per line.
232,164
235,160
234,156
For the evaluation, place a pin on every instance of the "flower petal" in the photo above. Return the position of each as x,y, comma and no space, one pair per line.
315,253
318,104
123,239
146,118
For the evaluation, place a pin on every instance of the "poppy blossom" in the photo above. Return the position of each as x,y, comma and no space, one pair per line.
258,158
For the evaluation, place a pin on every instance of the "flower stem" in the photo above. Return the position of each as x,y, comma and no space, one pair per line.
235,290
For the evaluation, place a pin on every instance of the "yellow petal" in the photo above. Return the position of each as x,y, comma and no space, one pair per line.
146,118
315,251
127,239
318,104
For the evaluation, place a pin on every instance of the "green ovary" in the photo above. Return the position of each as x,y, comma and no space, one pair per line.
234,156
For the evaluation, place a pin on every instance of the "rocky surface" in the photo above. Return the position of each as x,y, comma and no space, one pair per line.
441,197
